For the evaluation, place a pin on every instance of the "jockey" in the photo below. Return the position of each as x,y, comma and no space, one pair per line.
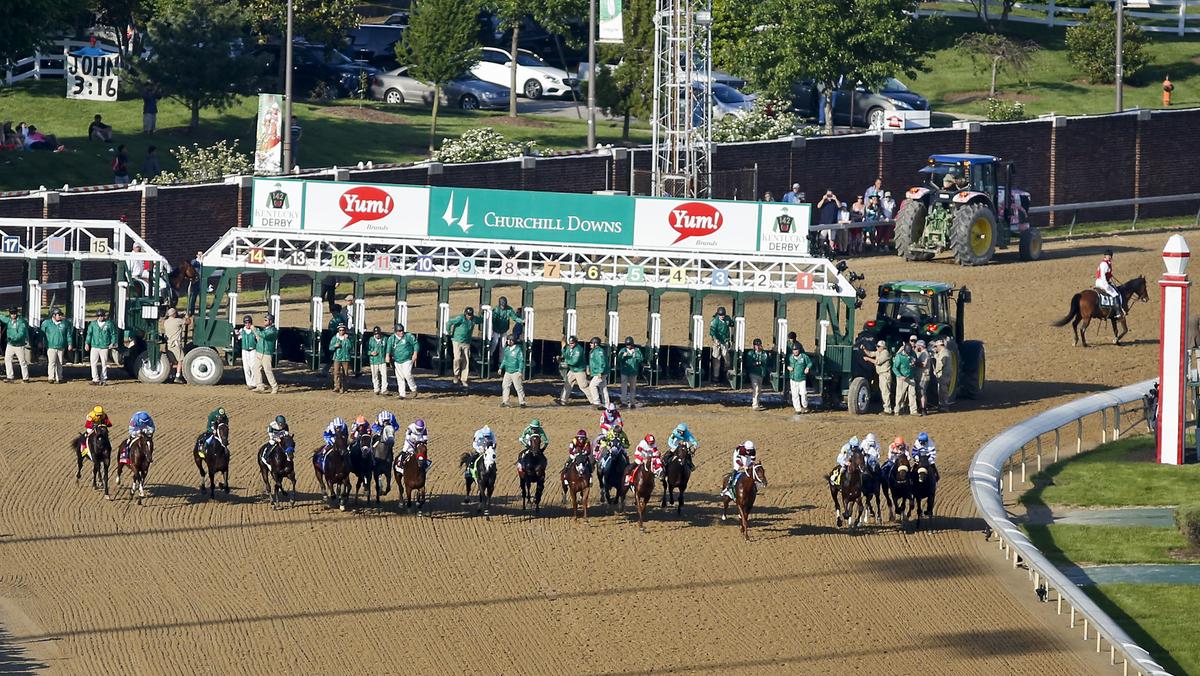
276,429
646,453
896,450
844,456
870,449
614,437
610,417
681,435
743,461
1105,282
579,445
95,419
484,437
416,434
386,425
140,424
336,426
924,447
217,416
361,426
534,428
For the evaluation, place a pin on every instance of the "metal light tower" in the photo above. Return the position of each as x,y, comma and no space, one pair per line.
682,118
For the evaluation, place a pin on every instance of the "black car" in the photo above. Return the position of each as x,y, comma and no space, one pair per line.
313,64
375,43
870,107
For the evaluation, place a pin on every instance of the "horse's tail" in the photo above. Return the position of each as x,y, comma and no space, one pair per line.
1072,314
77,442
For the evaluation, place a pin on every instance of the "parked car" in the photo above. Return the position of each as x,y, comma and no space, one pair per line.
312,64
727,100
397,19
375,43
535,78
870,106
467,92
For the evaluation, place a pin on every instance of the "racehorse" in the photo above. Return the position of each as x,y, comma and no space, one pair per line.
924,489
576,479
99,448
213,450
381,450
1085,306
481,469
872,481
899,490
410,475
612,475
641,479
178,279
333,469
276,462
139,456
531,467
677,470
362,462
849,489
745,490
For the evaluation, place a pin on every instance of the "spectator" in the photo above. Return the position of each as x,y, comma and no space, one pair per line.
149,109
194,287
827,208
758,364
348,311
36,140
9,138
941,370
858,210
875,189
874,210
120,166
882,359
296,132
98,131
172,331
794,196
768,196
150,165
888,206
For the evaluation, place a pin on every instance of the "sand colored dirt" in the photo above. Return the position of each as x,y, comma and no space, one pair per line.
184,584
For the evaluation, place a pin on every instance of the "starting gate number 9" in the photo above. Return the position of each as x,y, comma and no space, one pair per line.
720,278
552,270
256,256
339,259
678,277
424,263
466,266
592,272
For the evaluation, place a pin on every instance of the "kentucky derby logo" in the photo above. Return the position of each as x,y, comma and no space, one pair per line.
277,198
784,223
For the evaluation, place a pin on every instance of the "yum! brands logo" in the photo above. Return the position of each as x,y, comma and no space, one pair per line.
694,219
365,203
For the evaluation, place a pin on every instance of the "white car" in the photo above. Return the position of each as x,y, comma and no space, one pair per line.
535,78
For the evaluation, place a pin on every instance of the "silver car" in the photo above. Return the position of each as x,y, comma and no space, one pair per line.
466,92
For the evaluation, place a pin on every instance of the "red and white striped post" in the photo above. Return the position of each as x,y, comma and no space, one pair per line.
1173,351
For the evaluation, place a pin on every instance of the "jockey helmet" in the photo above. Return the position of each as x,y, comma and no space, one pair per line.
142,417
221,410
749,446
535,423
681,428
338,423
854,442
922,438
360,420
629,340
898,441
581,434
280,420
420,424
870,439
384,416
98,411
487,431
650,439
611,407
1108,253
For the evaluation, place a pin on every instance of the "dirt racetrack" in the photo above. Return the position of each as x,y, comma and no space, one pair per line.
187,585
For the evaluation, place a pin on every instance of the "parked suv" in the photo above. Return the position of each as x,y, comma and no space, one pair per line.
312,64
870,106
375,43
535,78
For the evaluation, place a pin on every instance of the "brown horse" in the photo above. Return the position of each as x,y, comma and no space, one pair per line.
677,471
99,449
213,451
179,280
746,489
849,489
577,480
276,462
1085,306
641,480
333,469
139,455
410,475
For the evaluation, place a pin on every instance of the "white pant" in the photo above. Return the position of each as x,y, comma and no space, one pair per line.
756,382
250,367
54,365
404,377
265,362
516,382
1104,285
11,351
799,394
628,389
379,377
599,387
99,359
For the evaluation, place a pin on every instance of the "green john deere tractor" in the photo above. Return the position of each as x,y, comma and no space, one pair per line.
931,311
966,205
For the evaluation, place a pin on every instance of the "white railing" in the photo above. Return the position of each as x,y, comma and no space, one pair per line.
1172,16
34,67
1009,452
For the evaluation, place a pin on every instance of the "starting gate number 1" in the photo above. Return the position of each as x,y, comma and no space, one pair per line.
804,281
256,256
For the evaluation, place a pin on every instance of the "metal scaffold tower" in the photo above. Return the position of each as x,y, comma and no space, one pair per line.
682,120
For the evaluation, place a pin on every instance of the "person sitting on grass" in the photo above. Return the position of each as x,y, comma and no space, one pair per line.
98,131
36,140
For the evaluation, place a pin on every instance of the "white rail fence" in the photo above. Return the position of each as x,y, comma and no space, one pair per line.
1157,16
1034,441
51,63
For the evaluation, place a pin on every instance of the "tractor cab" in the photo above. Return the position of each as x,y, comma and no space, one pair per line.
956,173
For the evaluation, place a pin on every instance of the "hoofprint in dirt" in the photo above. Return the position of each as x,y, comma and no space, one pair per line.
235,573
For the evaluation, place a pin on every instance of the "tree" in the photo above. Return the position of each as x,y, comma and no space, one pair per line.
323,22
827,40
994,51
628,89
116,15
1093,43
441,44
28,24
194,60
553,15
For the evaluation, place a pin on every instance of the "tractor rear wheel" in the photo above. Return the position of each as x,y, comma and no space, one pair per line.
973,234
974,368
858,399
910,225
1031,244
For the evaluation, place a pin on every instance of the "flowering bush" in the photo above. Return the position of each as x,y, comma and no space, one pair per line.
767,120
1005,111
200,165
481,145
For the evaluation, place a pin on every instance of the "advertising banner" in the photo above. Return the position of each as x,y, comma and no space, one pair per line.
268,142
92,74
363,209
611,18
513,216
696,225
783,229
277,204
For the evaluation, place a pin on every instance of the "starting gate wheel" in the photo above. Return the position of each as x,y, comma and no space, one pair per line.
203,366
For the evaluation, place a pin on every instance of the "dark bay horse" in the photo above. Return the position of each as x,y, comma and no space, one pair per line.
410,475
276,462
179,280
576,479
872,482
140,454
362,460
531,467
1085,306
745,490
611,473
847,493
99,449
899,490
333,470
481,470
381,450
641,480
213,451
924,489
677,466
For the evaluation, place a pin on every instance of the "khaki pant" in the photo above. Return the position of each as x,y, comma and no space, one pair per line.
515,381
54,365
799,394
906,391
629,385
404,377
341,371
720,360
577,379
462,361
599,387
756,386
250,367
266,362
99,359
379,377
885,390
11,351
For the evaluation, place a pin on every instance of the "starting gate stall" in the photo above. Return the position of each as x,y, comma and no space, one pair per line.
136,277
418,247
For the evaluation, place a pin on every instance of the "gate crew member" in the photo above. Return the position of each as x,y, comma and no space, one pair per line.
758,362
101,337
268,347
572,355
503,319
512,369
18,344
461,328
402,350
54,334
598,369
629,363
249,352
720,330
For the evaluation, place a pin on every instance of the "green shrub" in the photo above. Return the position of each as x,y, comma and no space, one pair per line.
1187,517
1093,43
767,120
198,164
1005,111
481,144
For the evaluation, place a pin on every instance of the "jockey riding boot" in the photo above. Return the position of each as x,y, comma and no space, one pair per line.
933,471
728,492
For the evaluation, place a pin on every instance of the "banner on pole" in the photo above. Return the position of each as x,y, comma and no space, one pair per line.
611,18
92,74
268,139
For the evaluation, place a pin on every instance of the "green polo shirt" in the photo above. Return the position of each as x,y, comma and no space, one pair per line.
56,334
513,360
502,319
902,364
18,331
758,363
268,340
598,361
461,328
629,361
341,347
101,336
799,364
718,328
377,350
402,349
248,339
573,358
